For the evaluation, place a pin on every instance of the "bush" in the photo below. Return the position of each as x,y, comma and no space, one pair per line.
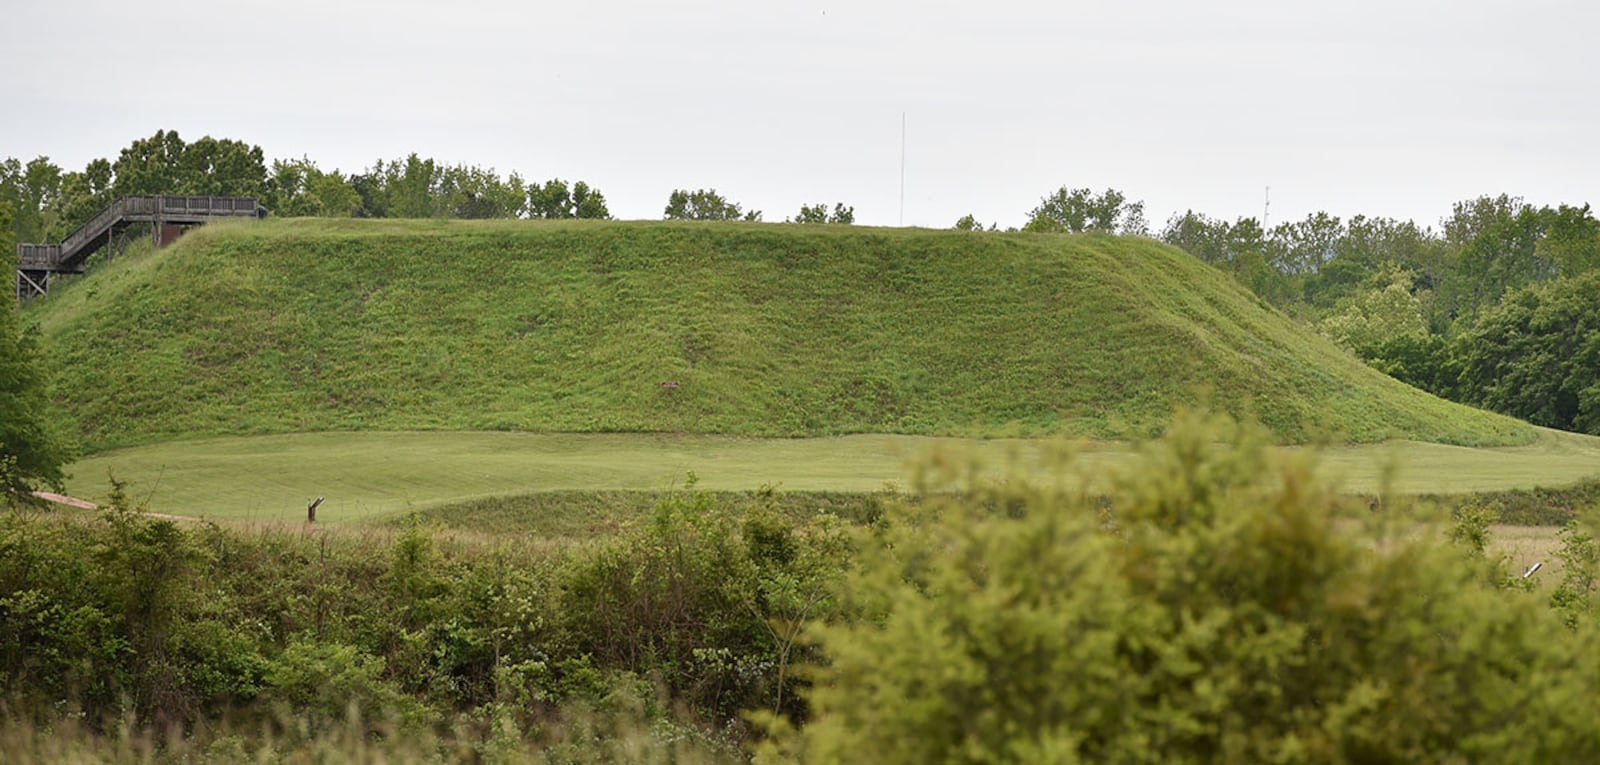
665,598
1220,611
325,682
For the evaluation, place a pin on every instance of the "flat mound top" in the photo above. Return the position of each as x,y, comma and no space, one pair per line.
741,329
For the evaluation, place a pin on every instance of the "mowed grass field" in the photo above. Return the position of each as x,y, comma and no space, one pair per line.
373,476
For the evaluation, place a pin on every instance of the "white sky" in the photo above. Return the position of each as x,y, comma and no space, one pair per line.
1396,108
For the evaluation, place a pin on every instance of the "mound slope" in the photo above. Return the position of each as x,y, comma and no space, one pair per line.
761,330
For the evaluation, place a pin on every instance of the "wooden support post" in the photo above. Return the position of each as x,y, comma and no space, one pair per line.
311,510
167,233
27,287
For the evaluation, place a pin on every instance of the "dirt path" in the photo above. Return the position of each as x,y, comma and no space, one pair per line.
84,504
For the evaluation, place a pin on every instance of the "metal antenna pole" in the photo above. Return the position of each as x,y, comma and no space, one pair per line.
902,168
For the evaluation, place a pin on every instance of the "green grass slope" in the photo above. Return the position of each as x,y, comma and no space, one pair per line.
767,330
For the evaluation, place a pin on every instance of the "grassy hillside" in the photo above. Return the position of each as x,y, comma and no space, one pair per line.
770,330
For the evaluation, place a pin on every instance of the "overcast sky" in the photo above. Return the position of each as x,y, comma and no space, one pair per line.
1393,108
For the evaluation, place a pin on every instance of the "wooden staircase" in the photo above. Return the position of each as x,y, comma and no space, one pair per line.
38,263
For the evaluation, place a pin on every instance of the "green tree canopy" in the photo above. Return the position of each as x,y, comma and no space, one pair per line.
8,237
1369,319
1304,246
1497,244
31,192
555,200
221,167
298,188
421,187
82,195
473,192
970,223
818,213
165,164
32,448
412,187
1079,210
1536,355
705,204
1572,240
1241,248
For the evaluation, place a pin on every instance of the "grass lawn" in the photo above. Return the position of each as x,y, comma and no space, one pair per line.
370,476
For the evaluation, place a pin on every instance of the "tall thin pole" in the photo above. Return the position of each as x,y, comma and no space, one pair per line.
902,168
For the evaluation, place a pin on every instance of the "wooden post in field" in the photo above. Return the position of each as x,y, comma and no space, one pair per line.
311,510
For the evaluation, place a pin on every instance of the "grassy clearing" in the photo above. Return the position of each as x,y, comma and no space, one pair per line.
370,476
1556,459
1523,546
768,330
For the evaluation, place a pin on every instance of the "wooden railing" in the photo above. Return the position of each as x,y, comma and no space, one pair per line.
35,262
156,207
38,256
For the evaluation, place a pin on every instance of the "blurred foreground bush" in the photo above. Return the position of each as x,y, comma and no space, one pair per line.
1220,607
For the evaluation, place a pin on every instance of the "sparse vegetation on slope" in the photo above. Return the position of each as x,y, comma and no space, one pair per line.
717,328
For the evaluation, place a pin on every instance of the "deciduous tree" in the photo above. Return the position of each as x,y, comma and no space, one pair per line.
469,191
1240,248
8,237
149,165
705,204
970,223
1497,249
1536,355
220,167
299,188
1080,210
1571,240
412,186
818,213
32,447
1304,246
555,200
83,194
1369,320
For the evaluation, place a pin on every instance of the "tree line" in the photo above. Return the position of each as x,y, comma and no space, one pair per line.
1499,307
42,202
1495,308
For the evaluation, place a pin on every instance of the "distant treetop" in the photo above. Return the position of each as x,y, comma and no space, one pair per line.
705,204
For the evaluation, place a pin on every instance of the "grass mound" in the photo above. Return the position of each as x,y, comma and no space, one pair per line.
757,330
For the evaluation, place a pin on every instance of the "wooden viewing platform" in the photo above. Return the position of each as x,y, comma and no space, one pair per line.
36,263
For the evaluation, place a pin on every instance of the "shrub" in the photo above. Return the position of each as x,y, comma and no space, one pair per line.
325,682
1220,611
706,596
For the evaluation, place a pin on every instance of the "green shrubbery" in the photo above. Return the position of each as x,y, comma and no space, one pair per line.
1218,604
1218,609
127,617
